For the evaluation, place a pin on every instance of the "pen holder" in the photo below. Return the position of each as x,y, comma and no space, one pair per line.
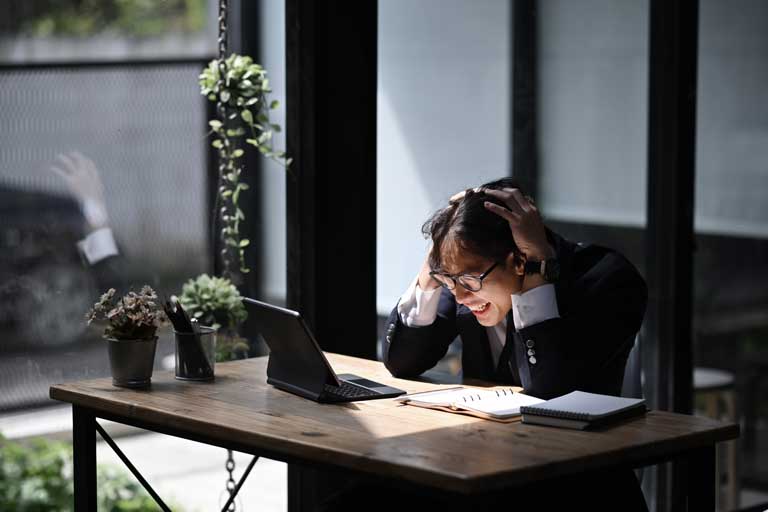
195,354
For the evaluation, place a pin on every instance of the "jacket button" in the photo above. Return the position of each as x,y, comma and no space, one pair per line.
532,360
530,344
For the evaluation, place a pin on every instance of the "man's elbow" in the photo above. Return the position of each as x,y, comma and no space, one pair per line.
401,367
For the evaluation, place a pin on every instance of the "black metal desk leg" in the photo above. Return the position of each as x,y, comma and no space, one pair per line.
701,479
84,450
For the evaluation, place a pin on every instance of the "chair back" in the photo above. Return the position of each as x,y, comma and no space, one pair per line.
632,387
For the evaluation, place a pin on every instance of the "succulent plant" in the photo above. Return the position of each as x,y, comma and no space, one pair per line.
214,301
135,316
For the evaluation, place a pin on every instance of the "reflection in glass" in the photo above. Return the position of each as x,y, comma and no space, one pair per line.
731,220
102,183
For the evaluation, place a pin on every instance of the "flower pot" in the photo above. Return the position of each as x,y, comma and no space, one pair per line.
132,361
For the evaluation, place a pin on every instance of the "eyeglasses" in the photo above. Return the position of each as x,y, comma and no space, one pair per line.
468,281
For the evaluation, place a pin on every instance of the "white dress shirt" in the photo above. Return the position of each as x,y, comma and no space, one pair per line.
98,245
418,308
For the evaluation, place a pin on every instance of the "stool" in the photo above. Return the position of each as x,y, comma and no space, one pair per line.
716,388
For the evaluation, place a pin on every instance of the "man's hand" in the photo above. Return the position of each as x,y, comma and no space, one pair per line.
83,180
524,221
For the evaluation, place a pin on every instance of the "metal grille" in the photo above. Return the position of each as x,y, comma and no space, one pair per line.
144,129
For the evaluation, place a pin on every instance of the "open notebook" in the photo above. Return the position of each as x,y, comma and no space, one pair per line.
498,404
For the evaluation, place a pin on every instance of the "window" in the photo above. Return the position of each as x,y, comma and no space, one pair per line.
103,174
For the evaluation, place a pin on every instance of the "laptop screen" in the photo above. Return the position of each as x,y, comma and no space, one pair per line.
295,356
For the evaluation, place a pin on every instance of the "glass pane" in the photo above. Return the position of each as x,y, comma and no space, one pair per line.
592,104
592,120
731,218
67,30
443,120
83,152
271,197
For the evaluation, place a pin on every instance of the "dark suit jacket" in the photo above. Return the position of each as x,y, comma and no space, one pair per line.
601,299
38,239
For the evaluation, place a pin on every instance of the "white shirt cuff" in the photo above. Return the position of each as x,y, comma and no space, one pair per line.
418,307
534,306
94,212
98,245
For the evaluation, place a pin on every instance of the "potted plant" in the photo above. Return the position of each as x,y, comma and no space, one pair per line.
216,302
240,89
131,334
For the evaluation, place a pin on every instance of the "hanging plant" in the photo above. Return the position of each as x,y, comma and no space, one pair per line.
240,88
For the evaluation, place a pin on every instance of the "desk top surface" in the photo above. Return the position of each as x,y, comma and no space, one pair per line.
382,437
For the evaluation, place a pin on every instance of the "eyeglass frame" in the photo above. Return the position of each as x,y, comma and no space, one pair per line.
457,278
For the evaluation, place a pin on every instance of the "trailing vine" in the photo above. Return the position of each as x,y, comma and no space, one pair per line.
240,88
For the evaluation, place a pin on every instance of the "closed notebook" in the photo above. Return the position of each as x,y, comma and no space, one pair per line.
498,404
581,410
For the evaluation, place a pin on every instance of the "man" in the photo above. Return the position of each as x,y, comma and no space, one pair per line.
532,309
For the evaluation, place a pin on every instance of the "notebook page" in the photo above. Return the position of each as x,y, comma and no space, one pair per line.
504,405
458,396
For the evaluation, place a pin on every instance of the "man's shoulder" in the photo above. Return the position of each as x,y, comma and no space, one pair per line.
603,267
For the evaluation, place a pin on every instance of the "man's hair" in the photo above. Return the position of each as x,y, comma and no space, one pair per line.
467,223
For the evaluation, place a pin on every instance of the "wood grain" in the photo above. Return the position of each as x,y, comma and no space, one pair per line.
382,437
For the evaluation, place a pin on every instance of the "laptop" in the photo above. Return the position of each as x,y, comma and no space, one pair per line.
298,365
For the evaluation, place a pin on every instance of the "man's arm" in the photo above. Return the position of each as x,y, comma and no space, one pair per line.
419,330
98,248
586,348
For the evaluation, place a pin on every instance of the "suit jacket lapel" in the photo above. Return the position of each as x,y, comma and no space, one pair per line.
477,361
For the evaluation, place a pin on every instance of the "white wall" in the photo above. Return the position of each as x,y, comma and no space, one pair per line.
593,110
443,120
272,196
732,119
593,91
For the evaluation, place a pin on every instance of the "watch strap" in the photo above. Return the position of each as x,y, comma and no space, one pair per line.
534,267
549,269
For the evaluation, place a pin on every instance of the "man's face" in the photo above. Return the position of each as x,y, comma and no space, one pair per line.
493,301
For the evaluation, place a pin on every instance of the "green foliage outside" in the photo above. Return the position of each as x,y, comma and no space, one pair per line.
83,18
38,477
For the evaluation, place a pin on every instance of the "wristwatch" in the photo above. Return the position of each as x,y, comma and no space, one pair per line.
549,269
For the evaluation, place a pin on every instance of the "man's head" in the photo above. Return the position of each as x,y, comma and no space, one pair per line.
467,238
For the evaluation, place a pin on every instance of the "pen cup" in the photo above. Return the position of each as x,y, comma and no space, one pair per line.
195,354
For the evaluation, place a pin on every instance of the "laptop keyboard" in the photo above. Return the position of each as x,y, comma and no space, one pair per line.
347,390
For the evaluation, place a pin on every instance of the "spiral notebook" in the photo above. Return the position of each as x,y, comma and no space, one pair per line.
497,404
582,410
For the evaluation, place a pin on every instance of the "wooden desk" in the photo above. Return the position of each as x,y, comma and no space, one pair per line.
428,448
